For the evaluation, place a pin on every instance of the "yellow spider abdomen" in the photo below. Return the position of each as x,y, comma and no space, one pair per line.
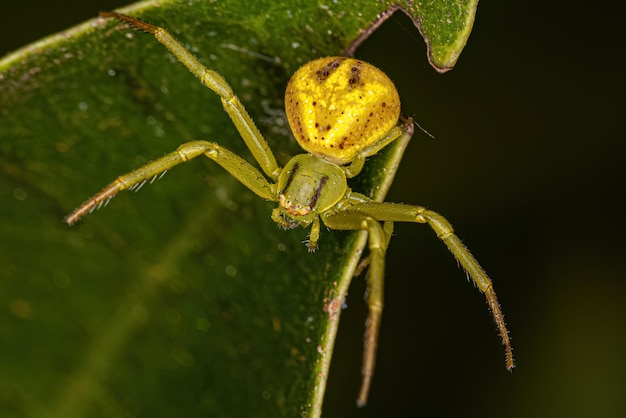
337,106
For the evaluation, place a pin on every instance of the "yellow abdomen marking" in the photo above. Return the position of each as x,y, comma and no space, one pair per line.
336,106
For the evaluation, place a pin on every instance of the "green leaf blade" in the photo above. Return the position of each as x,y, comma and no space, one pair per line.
185,298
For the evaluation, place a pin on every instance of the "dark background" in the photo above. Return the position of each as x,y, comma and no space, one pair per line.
528,164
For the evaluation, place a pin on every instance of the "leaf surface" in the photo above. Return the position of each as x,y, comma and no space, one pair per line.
184,299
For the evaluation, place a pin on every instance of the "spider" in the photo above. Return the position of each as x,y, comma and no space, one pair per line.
341,111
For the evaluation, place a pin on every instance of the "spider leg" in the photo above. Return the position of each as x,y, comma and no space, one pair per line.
239,168
365,261
409,213
211,79
314,235
378,237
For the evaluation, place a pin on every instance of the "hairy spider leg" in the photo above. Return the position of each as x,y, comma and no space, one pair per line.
377,243
365,215
211,79
375,292
239,168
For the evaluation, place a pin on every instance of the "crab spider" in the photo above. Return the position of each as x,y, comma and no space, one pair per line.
341,111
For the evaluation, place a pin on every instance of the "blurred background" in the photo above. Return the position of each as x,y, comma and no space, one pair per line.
528,164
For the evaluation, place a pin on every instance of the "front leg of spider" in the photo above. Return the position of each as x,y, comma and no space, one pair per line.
341,111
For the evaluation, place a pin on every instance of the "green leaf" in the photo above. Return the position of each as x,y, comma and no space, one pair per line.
184,299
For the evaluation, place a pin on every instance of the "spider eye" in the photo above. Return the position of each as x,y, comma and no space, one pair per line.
294,209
